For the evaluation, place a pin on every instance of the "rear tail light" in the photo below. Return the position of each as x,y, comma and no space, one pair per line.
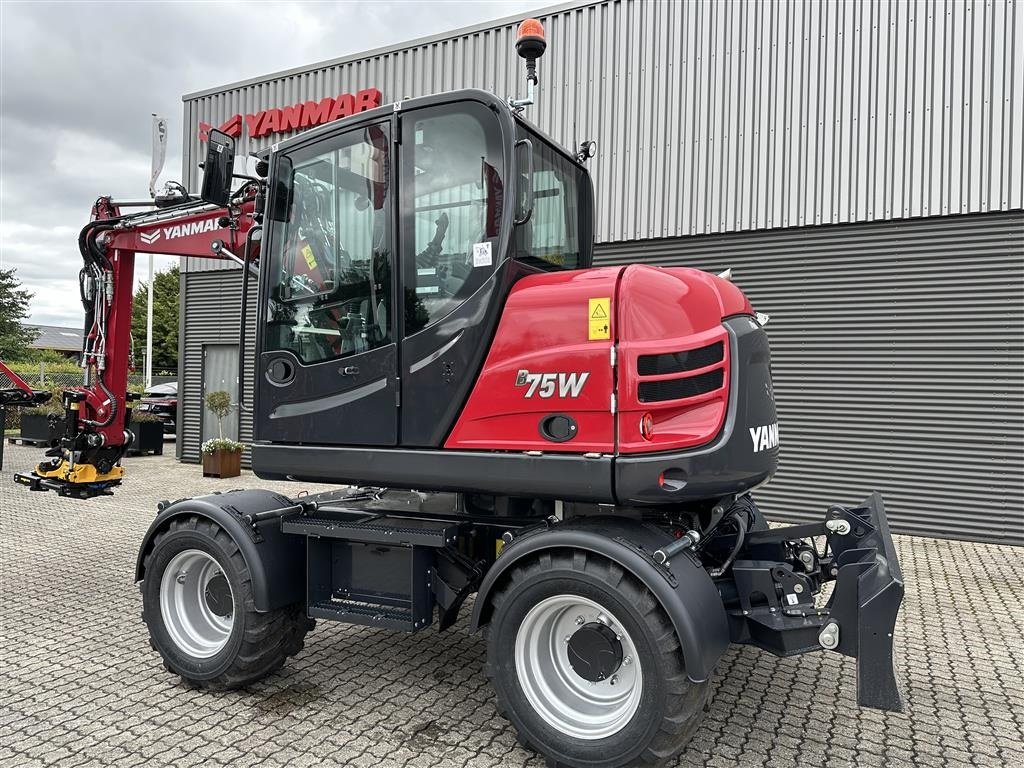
647,426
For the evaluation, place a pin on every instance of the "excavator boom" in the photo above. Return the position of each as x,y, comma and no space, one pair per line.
97,413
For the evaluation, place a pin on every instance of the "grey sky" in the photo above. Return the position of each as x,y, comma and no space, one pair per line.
78,81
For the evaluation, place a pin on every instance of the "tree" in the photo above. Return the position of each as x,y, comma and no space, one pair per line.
165,321
15,338
220,405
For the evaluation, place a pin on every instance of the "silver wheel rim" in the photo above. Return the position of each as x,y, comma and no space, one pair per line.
185,604
563,699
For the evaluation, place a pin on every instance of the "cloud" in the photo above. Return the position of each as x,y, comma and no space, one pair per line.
78,82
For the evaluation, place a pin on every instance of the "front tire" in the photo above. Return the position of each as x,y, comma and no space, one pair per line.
587,666
197,603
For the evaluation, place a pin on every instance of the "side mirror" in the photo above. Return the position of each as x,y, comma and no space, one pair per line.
218,168
524,188
281,189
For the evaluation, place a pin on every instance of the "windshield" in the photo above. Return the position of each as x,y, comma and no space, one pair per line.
329,278
556,236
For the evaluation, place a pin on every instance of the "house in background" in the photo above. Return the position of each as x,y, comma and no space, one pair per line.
64,341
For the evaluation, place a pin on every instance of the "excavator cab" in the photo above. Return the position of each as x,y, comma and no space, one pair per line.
392,241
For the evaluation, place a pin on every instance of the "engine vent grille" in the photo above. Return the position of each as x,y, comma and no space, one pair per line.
674,389
679,362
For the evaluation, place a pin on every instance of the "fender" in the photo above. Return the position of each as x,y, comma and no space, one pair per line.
685,591
276,561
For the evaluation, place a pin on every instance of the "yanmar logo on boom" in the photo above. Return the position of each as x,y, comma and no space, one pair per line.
181,230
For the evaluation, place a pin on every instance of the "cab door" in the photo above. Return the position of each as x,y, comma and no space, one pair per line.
326,372
455,215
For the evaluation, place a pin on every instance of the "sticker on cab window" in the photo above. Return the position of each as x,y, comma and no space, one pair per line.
482,254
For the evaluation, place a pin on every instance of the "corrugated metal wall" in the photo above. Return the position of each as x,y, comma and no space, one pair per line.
728,116
211,307
898,363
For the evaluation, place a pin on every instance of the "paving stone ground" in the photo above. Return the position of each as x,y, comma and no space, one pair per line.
79,684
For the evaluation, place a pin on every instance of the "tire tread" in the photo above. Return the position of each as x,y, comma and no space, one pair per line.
269,638
686,700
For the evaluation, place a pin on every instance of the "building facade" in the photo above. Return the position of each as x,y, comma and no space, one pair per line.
858,165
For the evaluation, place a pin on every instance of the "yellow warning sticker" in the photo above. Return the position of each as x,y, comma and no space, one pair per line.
599,315
307,252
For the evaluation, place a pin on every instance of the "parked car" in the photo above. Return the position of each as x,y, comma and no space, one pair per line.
161,400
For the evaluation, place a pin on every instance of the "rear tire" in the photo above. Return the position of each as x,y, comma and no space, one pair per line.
552,701
197,602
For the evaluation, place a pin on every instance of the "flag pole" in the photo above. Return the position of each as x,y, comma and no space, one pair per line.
159,143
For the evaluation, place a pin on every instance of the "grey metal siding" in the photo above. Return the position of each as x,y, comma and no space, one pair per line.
898,361
730,116
212,301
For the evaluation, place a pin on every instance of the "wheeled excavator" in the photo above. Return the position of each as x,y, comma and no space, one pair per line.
577,446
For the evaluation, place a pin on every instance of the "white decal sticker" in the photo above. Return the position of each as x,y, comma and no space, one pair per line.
765,437
149,237
792,599
547,384
482,254
191,228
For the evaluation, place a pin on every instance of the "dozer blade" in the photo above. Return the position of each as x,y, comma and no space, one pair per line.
866,601
860,616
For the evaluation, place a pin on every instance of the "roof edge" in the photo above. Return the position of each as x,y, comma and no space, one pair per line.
549,10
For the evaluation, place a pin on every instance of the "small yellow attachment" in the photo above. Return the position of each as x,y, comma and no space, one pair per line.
76,406
81,473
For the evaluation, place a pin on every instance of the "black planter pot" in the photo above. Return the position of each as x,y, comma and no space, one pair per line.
149,437
37,427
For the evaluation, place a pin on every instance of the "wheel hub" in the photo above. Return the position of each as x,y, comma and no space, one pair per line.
218,595
578,667
595,653
196,604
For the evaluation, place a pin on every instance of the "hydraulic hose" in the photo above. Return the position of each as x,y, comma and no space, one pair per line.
741,537
96,260
91,253
113,407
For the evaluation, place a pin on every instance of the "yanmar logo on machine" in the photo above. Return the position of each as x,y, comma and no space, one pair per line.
180,230
297,116
765,437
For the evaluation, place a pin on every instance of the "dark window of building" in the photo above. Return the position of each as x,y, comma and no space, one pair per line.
454,192
330,273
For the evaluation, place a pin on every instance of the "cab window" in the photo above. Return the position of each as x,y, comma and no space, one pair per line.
453,182
551,238
329,279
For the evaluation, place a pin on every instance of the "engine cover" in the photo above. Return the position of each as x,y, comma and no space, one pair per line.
665,369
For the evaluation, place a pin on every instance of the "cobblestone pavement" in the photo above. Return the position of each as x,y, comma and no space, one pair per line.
79,684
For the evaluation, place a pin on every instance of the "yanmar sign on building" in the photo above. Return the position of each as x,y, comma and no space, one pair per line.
297,116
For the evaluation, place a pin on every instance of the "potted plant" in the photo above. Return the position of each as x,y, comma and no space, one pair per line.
222,457
148,431
45,422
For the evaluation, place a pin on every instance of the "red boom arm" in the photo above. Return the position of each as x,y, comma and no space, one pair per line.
108,350
97,412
